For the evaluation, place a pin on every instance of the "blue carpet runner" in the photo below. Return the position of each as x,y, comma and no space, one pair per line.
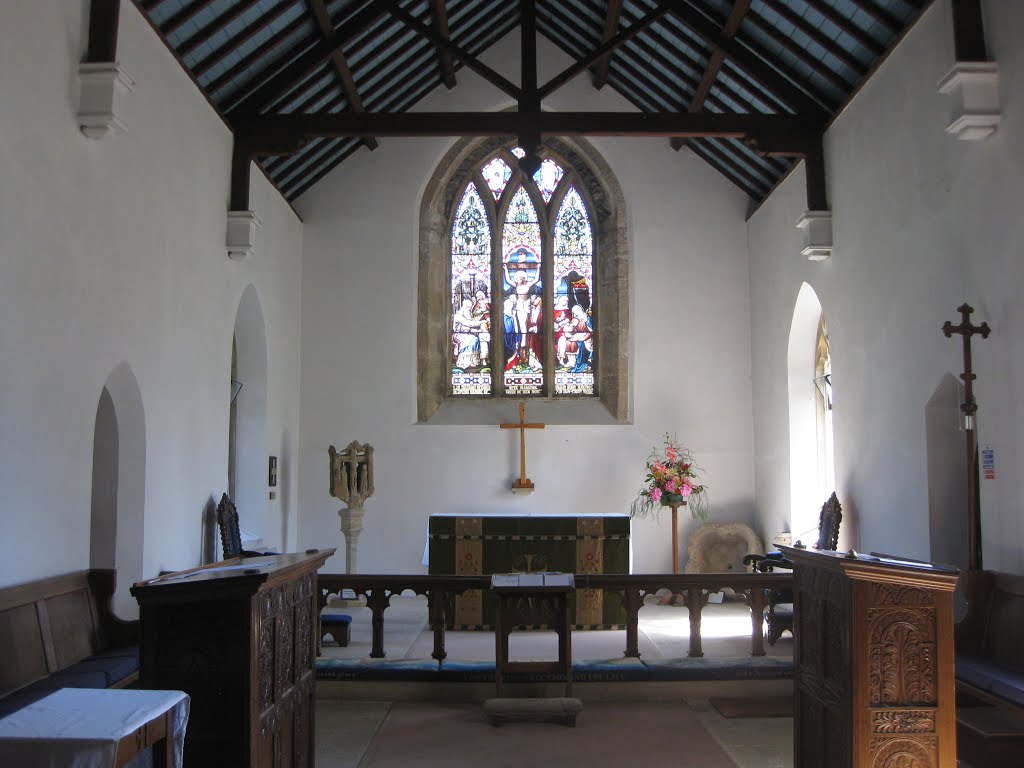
585,670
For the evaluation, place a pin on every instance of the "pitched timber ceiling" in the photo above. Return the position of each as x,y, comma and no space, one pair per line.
747,85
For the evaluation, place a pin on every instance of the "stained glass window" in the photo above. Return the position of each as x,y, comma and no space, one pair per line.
470,299
547,178
522,308
573,315
527,261
496,174
519,152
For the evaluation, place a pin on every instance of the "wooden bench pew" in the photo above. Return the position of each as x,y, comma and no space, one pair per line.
60,632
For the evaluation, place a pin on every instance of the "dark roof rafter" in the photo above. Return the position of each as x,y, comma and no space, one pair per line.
323,20
747,86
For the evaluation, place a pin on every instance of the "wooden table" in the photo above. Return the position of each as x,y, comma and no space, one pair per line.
97,728
532,604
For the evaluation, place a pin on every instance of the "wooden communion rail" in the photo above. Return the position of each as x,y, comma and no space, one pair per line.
440,591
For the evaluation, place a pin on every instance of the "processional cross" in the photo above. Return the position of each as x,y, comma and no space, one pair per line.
969,409
523,484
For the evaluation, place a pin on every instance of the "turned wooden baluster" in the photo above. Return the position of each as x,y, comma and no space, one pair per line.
695,601
436,600
379,600
756,600
632,602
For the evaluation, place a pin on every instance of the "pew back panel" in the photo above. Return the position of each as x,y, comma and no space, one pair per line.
49,625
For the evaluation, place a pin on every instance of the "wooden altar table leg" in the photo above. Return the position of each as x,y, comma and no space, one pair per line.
565,640
500,644
631,602
435,604
379,601
755,599
694,603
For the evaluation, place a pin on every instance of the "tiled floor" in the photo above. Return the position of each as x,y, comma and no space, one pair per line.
346,728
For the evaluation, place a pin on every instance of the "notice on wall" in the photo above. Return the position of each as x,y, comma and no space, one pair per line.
988,463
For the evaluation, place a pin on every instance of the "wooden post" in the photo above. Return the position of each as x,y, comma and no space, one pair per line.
675,538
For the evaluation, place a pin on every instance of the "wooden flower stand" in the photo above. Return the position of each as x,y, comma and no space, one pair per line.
679,598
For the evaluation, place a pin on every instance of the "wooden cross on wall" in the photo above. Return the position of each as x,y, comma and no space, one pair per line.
523,484
969,408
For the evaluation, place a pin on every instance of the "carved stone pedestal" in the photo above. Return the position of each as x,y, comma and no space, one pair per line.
351,527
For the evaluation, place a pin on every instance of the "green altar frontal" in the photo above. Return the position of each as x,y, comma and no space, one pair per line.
472,546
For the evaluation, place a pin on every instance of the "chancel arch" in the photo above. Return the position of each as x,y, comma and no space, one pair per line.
551,246
811,461
247,439
118,504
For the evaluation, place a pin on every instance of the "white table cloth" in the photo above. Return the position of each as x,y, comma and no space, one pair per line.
80,727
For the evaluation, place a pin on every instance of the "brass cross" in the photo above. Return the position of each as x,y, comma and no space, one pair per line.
969,408
523,483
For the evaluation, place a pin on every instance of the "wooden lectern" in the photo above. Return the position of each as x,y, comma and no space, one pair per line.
873,660
239,637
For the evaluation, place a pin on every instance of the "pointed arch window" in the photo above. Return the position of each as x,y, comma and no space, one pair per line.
528,241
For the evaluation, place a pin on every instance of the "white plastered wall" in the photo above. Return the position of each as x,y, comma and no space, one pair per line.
922,222
689,346
113,252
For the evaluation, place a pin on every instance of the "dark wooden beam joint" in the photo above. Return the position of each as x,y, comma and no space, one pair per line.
103,24
439,16
968,31
810,149
241,162
529,98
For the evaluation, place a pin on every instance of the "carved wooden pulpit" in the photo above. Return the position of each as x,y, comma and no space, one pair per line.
873,658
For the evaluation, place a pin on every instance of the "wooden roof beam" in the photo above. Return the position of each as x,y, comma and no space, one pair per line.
284,79
602,51
439,16
732,25
463,55
784,89
611,24
284,133
103,26
968,31
348,85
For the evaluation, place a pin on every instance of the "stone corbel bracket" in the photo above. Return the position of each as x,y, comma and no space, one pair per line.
104,89
974,86
817,227
241,239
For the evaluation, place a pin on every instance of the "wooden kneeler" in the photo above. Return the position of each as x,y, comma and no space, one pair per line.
338,625
557,709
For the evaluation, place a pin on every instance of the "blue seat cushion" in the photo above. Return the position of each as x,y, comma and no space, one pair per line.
100,671
327,618
991,678
115,664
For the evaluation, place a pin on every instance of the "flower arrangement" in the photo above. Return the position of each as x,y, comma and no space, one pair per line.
671,478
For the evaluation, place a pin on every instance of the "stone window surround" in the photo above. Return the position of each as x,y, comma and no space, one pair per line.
434,405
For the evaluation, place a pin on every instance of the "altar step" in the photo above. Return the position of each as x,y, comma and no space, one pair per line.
404,690
620,670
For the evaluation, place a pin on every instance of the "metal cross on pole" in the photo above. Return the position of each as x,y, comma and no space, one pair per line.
969,408
523,484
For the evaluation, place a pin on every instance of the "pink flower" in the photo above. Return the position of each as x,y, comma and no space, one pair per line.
672,454
687,489
656,494
671,486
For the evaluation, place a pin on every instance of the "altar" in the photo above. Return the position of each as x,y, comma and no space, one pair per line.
486,544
